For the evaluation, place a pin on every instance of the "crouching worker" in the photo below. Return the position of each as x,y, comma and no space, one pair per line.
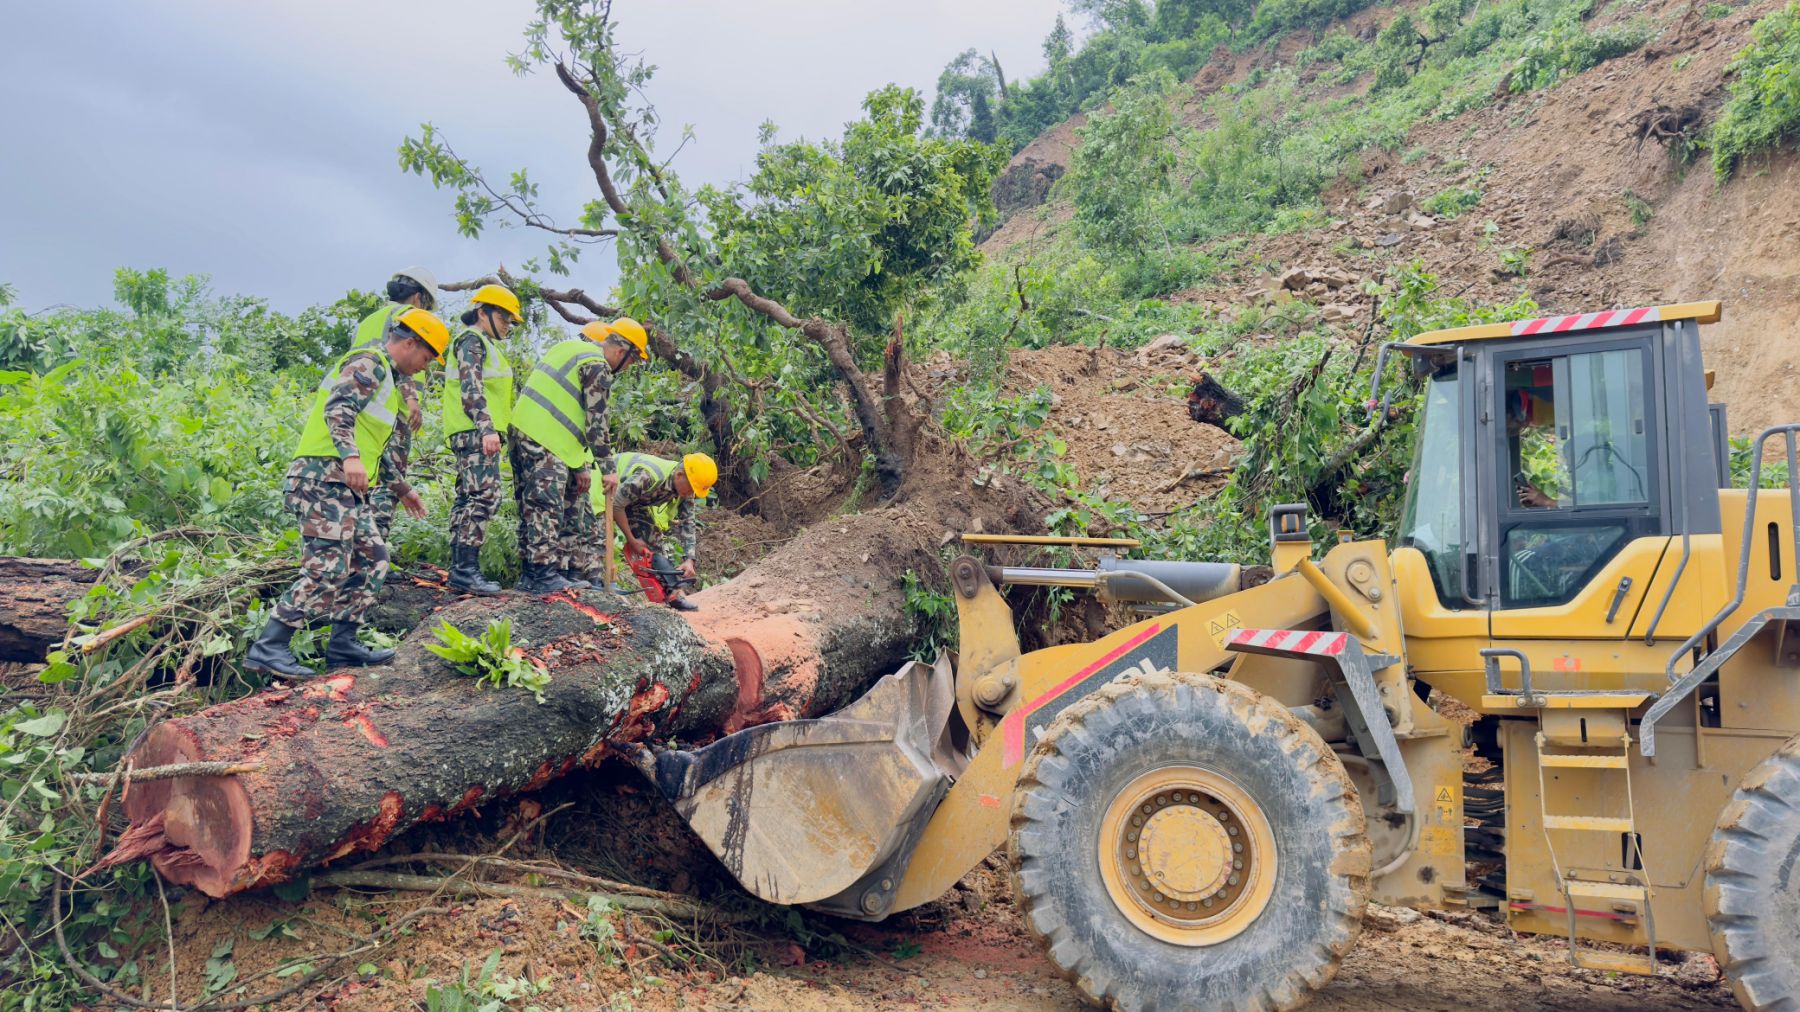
655,504
344,559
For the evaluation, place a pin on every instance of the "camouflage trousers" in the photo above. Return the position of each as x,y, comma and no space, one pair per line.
555,520
477,490
344,557
381,506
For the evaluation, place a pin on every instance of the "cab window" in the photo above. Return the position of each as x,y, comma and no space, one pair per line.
1579,468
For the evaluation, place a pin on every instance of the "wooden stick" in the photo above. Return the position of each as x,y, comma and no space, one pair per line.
170,772
465,887
612,561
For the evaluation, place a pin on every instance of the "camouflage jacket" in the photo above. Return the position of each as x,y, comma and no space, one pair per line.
596,388
358,379
643,490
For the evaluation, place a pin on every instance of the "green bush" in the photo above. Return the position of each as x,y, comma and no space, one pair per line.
1566,49
1453,202
1764,108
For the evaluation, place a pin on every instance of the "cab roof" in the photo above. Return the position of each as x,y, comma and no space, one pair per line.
1543,326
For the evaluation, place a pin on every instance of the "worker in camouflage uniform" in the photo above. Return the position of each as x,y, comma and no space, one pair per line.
478,401
344,558
655,501
409,288
559,431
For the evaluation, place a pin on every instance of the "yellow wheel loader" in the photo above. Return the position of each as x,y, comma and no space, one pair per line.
1198,807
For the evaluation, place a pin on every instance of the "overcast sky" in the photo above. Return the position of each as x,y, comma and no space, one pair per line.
255,142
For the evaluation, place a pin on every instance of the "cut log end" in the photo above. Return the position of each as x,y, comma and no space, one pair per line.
206,821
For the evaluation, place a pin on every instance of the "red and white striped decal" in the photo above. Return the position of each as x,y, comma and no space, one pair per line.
1586,321
1325,644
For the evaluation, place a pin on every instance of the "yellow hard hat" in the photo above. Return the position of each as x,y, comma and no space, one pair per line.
626,327
428,327
496,295
702,473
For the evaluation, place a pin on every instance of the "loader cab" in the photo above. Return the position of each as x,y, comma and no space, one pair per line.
1554,452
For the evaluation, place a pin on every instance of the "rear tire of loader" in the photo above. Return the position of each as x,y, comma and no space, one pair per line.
1752,890
1232,800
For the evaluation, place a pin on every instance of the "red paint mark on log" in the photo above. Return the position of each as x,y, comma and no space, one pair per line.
372,834
586,609
361,722
539,777
469,798
749,667
433,812
688,693
335,688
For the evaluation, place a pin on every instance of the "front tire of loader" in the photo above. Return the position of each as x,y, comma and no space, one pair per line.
1181,841
1752,890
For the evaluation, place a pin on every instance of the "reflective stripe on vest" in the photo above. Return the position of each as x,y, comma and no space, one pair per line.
551,409
496,387
374,423
663,513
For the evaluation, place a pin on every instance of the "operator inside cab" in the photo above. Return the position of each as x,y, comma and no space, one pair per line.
1540,474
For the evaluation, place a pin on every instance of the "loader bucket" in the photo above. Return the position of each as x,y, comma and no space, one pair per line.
823,812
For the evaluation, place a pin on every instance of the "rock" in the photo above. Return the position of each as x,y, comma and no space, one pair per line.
1698,970
1339,224
1383,918
1119,449
1124,384
1331,277
1295,279
1360,242
1337,312
1167,342
1316,289
1420,222
1396,203
1390,239
980,974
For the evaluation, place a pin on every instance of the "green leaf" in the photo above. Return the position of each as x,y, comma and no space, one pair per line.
44,726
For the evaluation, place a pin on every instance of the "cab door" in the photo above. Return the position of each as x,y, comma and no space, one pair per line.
1577,512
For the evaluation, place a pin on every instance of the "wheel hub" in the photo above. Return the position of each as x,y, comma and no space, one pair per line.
1184,851
1187,855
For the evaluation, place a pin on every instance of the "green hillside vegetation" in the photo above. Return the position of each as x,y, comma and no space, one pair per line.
156,432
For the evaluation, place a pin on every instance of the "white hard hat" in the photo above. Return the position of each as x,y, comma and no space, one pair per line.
424,278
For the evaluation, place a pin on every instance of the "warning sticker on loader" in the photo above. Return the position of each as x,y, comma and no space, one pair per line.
1220,627
1152,650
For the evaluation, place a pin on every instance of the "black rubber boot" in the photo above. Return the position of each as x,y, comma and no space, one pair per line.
683,604
576,582
535,579
465,572
345,650
272,655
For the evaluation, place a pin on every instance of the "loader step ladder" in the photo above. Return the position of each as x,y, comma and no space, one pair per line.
1622,893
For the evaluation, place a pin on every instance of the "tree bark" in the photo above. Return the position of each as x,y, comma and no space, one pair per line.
349,759
34,604
1209,403
35,595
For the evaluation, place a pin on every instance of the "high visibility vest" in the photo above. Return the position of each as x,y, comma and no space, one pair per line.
496,385
374,424
662,514
551,409
372,331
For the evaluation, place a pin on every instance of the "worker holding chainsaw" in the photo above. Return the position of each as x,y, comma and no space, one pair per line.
655,507
559,431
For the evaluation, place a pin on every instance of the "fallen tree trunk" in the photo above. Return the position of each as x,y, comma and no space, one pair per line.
35,595
34,604
350,759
